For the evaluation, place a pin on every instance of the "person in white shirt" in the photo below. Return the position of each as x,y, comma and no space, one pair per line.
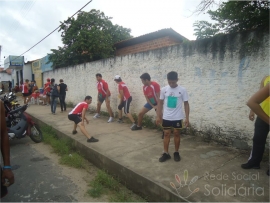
171,99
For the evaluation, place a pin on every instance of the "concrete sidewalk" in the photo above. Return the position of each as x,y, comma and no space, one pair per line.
207,172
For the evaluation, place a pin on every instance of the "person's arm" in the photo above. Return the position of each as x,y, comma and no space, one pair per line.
83,116
148,101
186,105
58,88
159,111
251,113
66,88
121,92
7,173
255,101
157,98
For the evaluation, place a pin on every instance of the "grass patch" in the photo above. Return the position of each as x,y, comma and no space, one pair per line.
74,160
107,184
63,147
103,182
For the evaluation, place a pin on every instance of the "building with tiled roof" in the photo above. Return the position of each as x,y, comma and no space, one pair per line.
150,41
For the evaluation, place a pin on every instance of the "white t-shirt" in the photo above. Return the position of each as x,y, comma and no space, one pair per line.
173,100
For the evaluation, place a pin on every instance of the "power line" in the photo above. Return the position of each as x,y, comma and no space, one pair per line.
15,23
48,34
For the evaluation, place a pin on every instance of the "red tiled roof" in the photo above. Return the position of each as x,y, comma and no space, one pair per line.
150,36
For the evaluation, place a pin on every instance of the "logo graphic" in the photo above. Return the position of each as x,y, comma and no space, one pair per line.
171,94
182,184
178,124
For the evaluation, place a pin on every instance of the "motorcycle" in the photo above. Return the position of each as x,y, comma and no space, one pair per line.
23,127
20,124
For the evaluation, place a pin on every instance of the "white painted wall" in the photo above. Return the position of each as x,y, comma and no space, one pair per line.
27,71
218,84
5,77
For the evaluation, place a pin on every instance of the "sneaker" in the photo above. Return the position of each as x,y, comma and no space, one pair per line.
135,127
92,139
164,157
250,166
96,116
110,120
74,132
162,136
176,156
120,120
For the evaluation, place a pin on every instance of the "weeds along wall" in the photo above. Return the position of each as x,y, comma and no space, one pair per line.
220,74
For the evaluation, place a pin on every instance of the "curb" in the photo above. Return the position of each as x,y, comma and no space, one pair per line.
143,186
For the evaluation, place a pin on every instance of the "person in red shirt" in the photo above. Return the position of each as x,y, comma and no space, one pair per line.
25,91
78,116
125,100
47,91
151,92
103,95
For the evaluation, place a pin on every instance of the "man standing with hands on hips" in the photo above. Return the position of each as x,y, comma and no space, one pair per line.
171,99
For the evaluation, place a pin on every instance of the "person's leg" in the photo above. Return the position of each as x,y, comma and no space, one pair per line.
97,115
64,102
176,134
108,105
165,156
61,102
120,114
143,111
166,141
24,99
167,133
177,138
75,127
29,98
55,104
99,107
120,118
83,130
52,104
260,135
126,110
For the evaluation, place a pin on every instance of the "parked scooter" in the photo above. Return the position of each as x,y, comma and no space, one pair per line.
24,127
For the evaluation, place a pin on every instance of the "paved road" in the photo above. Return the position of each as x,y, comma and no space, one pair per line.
37,178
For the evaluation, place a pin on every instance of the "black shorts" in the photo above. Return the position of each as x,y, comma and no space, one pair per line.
26,94
126,105
101,99
73,117
175,124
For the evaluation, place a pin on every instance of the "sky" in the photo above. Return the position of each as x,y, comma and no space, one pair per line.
24,23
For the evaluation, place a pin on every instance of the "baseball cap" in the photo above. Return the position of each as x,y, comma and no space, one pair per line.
117,77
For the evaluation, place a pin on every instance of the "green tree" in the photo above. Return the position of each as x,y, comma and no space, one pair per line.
204,29
89,37
234,16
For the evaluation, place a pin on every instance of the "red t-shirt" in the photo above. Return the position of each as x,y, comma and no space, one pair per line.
123,86
150,91
102,87
25,88
48,89
79,108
